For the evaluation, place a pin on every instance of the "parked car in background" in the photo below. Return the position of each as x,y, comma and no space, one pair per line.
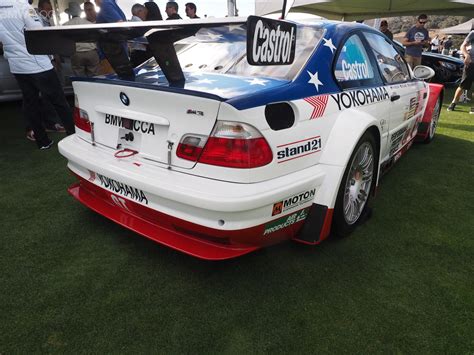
448,69
9,90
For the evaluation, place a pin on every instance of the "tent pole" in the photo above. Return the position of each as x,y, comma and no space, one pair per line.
283,10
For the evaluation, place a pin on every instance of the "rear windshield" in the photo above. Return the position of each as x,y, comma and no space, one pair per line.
223,50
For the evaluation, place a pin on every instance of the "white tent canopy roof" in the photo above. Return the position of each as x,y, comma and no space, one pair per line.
461,29
350,10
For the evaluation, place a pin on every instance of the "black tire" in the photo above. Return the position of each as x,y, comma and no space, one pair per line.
433,122
353,184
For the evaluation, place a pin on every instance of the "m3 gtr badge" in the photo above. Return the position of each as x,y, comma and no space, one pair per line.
124,98
270,42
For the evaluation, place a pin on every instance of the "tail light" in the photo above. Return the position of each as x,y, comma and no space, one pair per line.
231,144
81,120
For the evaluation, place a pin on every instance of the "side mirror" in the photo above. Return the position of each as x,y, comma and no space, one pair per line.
422,72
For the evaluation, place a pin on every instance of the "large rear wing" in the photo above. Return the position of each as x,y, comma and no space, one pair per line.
161,36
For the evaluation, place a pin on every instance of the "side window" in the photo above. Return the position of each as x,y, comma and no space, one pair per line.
392,66
353,66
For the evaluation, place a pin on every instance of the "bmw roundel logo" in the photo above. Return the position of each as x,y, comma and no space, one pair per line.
124,98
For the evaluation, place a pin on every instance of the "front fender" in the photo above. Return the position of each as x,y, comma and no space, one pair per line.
435,91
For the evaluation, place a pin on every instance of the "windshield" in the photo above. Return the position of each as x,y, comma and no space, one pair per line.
223,50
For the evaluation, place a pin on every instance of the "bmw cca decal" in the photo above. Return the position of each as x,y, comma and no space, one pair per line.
124,98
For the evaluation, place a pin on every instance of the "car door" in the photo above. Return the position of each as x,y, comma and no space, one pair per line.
404,91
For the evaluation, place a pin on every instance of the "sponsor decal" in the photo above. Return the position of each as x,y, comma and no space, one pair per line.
358,98
412,108
293,202
355,71
285,222
270,42
122,189
133,125
319,104
396,139
298,149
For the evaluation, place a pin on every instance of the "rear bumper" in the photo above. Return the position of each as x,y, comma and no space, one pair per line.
164,232
205,218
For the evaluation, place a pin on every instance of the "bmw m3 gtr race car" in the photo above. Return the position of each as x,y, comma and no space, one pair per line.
257,131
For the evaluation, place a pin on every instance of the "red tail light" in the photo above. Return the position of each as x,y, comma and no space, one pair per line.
190,147
81,120
232,145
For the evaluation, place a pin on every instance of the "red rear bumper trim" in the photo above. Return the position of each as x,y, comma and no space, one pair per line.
84,192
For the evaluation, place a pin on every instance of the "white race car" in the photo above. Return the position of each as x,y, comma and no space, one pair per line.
257,131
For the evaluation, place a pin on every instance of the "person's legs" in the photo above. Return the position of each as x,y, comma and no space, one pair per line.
466,82
409,60
416,61
31,104
77,64
48,84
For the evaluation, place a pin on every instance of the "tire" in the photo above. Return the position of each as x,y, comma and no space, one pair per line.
433,122
356,187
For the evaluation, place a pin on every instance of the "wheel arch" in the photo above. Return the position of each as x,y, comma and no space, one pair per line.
344,136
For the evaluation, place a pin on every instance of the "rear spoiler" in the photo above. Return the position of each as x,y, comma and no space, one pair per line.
161,36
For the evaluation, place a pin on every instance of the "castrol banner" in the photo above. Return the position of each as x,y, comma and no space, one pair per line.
270,42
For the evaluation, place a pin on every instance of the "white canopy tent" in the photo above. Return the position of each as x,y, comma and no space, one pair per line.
461,29
350,10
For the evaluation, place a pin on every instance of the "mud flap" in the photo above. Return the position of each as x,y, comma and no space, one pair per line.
317,225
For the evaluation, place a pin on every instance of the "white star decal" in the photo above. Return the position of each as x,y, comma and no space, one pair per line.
256,81
315,80
328,43
234,27
204,81
213,36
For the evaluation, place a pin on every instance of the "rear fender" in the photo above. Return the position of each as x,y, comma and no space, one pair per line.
346,132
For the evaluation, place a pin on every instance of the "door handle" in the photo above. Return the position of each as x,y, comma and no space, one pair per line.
394,97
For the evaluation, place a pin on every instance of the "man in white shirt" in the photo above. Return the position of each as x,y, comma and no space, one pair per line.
34,73
85,62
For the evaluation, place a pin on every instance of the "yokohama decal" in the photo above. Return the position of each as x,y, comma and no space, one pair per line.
319,105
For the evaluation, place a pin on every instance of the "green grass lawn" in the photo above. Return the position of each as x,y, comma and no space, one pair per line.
71,281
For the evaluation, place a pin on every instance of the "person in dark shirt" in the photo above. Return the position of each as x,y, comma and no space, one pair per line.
415,39
384,29
154,13
190,10
172,10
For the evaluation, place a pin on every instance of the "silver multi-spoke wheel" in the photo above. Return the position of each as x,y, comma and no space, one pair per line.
358,183
434,119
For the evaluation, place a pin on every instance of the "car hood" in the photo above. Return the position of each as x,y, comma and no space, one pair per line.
446,58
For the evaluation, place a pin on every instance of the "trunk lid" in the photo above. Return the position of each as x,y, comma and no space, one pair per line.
146,120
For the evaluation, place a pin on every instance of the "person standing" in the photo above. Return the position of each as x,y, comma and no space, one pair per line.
153,12
435,43
384,29
190,10
447,45
415,39
34,73
85,62
89,10
172,10
115,52
468,71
